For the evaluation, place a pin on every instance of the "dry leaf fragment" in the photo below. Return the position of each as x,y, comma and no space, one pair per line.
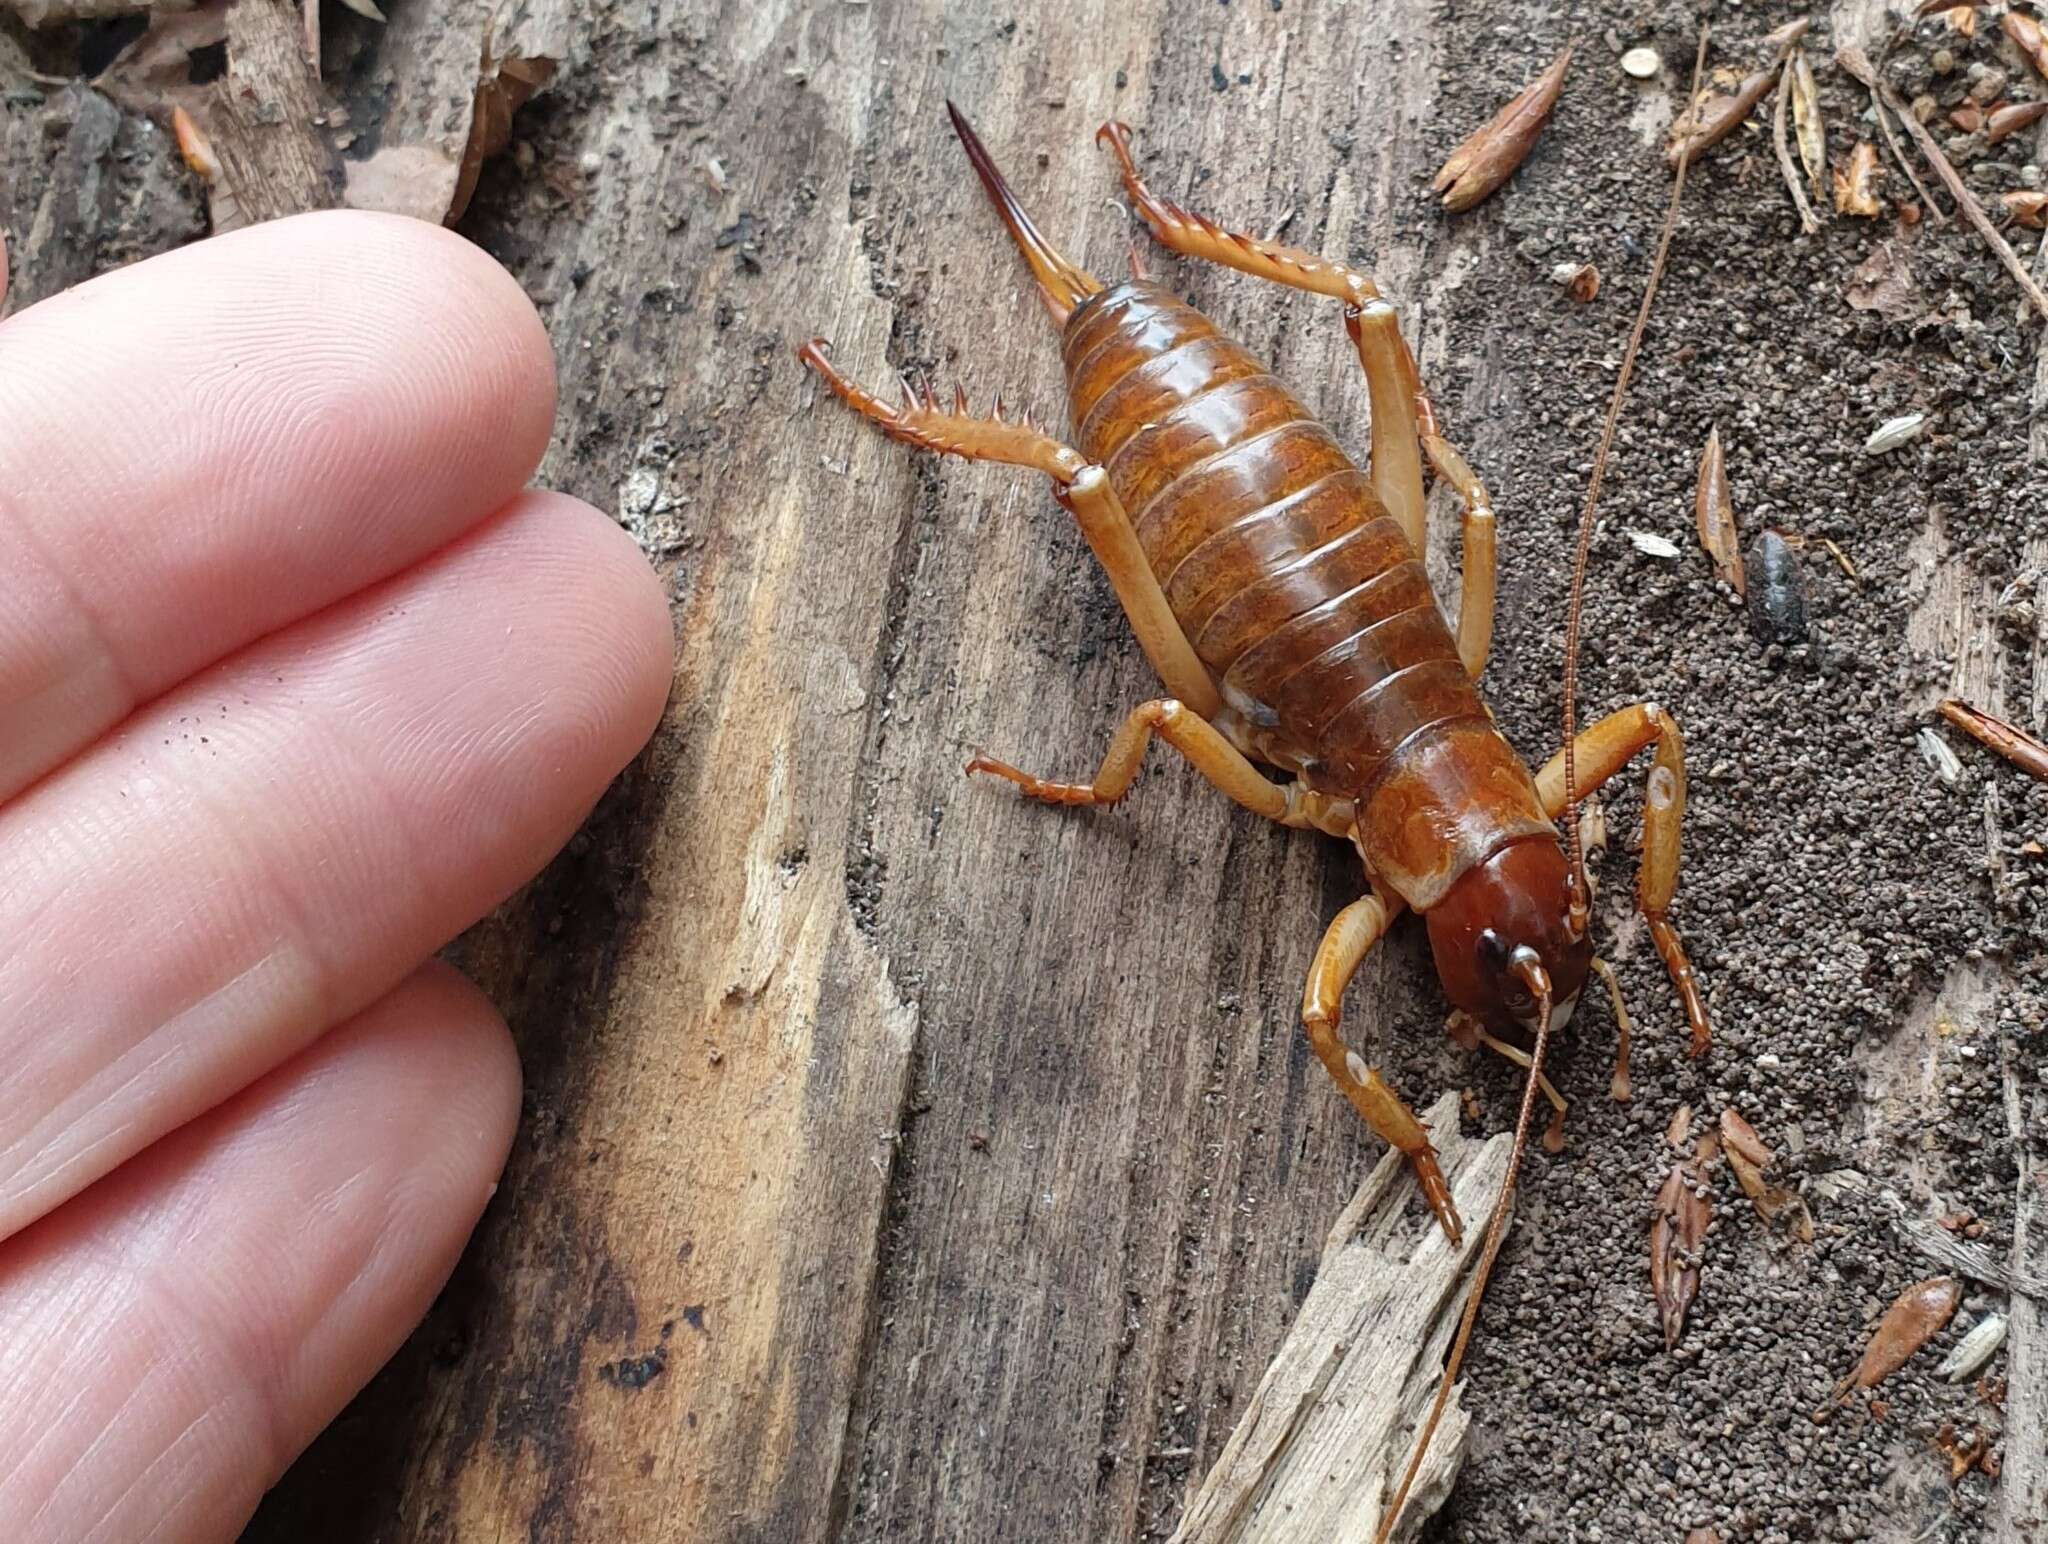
2028,37
1855,185
1914,1319
1807,127
1965,1454
2011,118
1677,1233
1962,19
1714,511
1969,117
1883,283
500,92
2027,207
1490,155
1713,118
1748,1157
1581,281
2009,740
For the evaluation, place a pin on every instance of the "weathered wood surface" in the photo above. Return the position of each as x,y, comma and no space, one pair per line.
901,1160
891,1143
1323,1445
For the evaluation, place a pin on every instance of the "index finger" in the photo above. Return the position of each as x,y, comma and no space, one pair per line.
205,447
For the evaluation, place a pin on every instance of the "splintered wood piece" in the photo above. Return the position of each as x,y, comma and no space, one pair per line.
2009,740
1749,1157
1318,1451
1490,155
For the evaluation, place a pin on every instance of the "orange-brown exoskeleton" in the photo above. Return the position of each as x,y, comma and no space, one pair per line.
1280,593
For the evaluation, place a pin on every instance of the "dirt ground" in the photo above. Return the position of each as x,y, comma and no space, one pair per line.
1873,937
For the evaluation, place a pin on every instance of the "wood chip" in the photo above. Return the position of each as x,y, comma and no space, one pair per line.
1490,155
1714,513
1316,1453
2009,740
1809,222
1915,1318
1856,183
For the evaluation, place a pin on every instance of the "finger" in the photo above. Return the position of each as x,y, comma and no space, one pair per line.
209,445
281,839
179,1332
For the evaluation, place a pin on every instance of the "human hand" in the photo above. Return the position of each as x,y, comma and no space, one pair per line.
295,683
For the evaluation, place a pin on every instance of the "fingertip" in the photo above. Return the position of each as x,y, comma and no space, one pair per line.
624,596
463,295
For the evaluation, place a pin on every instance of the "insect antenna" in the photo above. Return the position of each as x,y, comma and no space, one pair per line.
1529,967
1526,964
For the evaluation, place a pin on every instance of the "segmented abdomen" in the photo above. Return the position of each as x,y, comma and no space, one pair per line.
1296,587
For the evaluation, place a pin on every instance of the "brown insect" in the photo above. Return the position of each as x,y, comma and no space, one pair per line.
1279,592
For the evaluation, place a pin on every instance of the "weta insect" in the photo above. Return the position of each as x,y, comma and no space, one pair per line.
1280,594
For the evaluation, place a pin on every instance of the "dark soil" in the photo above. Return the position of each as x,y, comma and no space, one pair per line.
1872,937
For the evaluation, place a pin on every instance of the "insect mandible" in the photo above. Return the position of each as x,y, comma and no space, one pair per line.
1279,592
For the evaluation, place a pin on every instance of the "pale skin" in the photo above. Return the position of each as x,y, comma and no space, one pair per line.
296,682
1218,743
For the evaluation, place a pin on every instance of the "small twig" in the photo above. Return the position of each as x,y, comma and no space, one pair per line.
2009,740
1857,64
1783,141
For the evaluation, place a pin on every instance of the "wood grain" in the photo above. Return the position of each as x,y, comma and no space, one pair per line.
805,995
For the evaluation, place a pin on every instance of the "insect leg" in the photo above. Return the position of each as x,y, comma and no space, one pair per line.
1477,581
1206,750
919,420
1350,937
1603,749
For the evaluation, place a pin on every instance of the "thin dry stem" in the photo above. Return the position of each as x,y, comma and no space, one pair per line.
1858,64
1781,140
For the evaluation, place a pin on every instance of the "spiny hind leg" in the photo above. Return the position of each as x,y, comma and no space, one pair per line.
1083,489
1603,749
1391,382
1349,939
1207,750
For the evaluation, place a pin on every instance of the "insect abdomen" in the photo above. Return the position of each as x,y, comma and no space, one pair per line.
1295,586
